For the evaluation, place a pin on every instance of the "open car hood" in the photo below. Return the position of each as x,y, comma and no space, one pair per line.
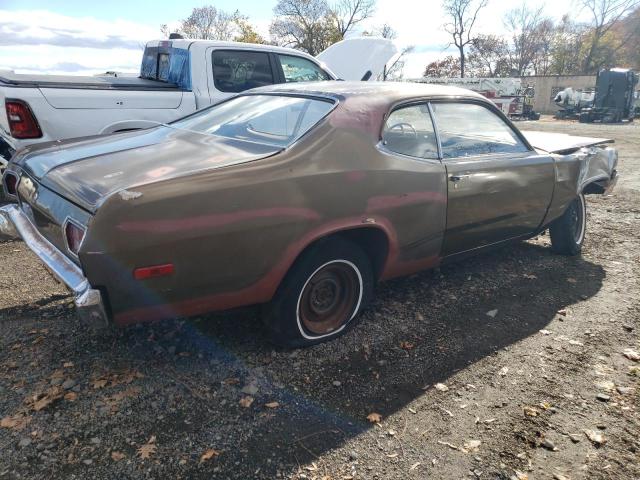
561,142
362,58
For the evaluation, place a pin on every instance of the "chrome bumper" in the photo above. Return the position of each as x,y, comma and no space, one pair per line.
15,224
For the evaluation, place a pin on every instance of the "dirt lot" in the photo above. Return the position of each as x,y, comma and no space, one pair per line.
508,365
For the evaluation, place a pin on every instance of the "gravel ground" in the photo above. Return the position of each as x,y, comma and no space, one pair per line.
507,365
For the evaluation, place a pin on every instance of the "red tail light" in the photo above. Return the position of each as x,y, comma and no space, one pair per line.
73,234
11,183
22,123
143,273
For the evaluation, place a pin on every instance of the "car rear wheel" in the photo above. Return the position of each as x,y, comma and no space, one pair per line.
568,231
321,296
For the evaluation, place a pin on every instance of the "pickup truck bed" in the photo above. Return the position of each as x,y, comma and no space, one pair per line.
11,79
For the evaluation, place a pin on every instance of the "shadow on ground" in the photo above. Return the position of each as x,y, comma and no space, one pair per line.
417,332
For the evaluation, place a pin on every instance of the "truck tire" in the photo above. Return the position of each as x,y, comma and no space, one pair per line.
321,295
568,232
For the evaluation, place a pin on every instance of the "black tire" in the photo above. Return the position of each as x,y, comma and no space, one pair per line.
303,313
568,231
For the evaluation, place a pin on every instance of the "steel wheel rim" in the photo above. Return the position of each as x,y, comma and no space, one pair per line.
329,298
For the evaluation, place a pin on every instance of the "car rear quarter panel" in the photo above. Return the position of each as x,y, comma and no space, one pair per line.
575,171
232,233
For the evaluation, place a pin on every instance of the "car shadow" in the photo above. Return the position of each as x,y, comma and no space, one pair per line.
418,331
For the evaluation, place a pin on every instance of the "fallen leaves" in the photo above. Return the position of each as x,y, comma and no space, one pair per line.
631,354
374,417
115,378
245,402
209,454
71,396
596,437
15,422
272,405
530,411
39,401
148,449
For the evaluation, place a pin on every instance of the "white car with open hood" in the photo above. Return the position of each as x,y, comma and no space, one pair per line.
177,77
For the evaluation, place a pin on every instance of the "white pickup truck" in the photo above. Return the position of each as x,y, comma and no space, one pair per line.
176,78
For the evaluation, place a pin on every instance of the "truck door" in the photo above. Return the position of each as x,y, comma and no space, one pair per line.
498,188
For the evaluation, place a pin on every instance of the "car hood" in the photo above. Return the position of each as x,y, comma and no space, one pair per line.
88,170
560,142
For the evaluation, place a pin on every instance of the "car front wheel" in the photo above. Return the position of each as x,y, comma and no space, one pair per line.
321,296
568,231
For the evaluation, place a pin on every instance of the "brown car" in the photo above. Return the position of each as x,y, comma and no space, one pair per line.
297,197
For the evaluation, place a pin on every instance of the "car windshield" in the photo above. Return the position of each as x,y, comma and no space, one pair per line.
270,119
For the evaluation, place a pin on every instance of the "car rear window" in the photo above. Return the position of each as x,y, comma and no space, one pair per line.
167,64
277,120
238,70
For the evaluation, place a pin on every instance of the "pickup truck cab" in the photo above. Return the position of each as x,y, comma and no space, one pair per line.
177,77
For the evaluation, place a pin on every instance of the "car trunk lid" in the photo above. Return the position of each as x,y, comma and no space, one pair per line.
89,170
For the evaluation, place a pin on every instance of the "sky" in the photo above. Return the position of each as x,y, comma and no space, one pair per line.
88,37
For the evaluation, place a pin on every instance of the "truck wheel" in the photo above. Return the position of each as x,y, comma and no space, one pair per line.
568,231
321,295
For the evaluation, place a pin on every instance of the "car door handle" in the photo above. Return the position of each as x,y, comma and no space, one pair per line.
457,178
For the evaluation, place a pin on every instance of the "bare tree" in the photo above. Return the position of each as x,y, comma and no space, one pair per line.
525,25
395,71
463,15
305,24
246,32
209,23
605,15
488,56
348,13
385,31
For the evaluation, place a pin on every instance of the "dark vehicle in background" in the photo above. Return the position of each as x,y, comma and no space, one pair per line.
615,97
298,197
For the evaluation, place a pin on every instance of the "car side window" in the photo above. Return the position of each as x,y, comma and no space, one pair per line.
469,129
298,69
238,70
409,131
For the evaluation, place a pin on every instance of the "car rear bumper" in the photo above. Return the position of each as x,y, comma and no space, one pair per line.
15,223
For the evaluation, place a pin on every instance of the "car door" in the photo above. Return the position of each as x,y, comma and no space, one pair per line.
418,177
498,186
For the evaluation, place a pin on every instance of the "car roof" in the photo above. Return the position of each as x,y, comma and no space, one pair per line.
187,43
378,92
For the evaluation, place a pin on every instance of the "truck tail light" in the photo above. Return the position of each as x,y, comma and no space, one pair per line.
11,183
22,123
143,273
73,234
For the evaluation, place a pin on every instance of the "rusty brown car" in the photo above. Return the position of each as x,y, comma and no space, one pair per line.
299,198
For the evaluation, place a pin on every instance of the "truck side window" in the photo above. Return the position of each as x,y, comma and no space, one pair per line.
468,129
238,70
409,131
298,69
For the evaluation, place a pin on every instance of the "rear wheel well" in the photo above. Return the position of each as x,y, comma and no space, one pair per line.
371,240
